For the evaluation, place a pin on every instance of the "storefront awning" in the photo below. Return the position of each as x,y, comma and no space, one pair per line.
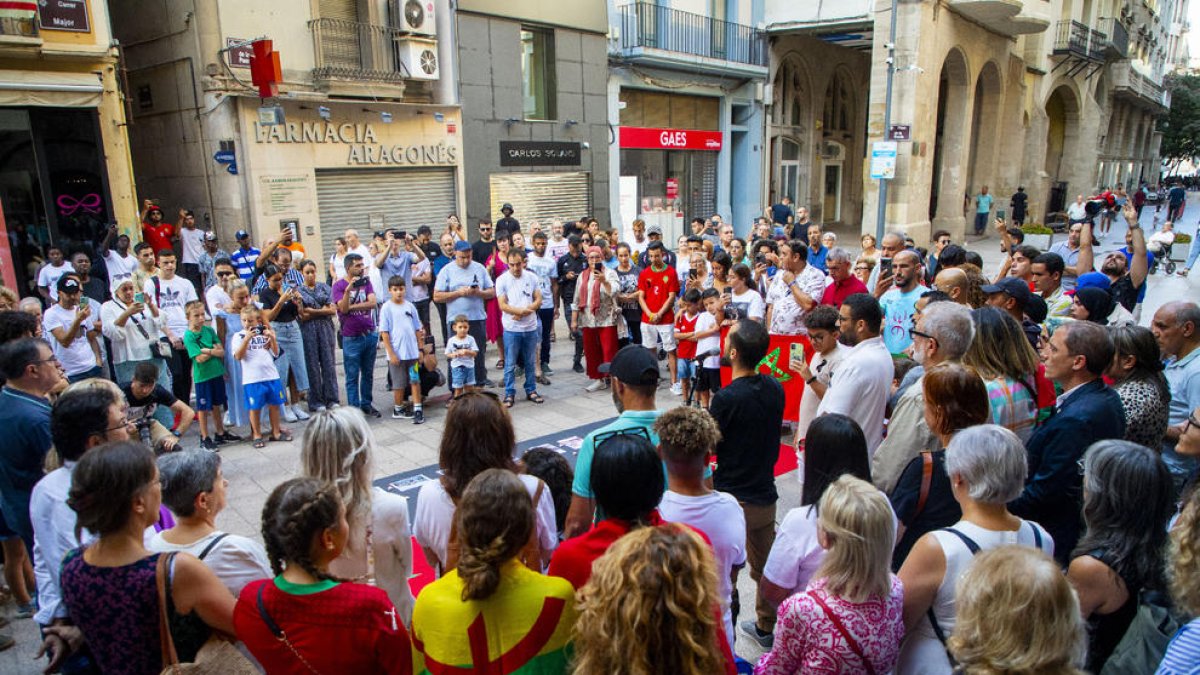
48,88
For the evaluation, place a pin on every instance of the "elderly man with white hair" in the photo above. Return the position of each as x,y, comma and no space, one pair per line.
943,333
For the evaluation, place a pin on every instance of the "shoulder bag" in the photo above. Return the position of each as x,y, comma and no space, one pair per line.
217,657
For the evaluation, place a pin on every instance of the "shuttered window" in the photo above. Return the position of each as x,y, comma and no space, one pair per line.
542,196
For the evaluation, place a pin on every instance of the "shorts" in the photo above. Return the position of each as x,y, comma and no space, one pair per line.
462,376
210,393
259,394
403,374
686,369
652,333
710,379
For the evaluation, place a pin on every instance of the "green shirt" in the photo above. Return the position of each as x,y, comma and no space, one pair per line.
213,367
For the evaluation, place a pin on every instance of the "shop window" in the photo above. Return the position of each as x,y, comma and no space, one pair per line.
537,73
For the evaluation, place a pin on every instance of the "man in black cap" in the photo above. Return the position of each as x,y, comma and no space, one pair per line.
507,225
634,373
73,330
1011,294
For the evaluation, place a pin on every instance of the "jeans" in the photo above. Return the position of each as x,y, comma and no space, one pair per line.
441,309
358,357
981,222
546,320
319,342
520,346
1191,259
94,371
291,353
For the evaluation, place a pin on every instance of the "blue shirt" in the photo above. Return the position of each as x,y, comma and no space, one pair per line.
630,419
780,213
398,265
546,271
898,308
984,204
401,323
1183,378
25,428
438,262
291,277
243,261
817,258
1183,652
454,277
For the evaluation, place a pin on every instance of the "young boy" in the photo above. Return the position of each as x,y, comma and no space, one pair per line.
256,349
461,349
401,331
816,370
685,331
687,438
708,340
208,373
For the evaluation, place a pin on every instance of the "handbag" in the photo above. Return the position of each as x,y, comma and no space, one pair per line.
217,657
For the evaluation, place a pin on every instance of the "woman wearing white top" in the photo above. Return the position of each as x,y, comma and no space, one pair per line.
337,261
339,447
743,296
987,468
133,328
194,488
479,435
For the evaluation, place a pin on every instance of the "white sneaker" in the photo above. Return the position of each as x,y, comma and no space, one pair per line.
288,415
595,386
298,411
677,389
228,420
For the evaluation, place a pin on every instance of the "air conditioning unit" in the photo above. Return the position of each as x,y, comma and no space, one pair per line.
418,57
414,17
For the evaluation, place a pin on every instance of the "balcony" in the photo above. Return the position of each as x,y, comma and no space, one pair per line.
1006,17
1076,41
670,38
1117,46
348,52
1129,84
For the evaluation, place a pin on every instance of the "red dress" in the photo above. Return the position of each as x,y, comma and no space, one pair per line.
342,628
495,330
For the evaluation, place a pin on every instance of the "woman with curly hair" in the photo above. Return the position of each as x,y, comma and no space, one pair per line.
479,435
1017,614
306,620
1127,500
491,613
850,618
1183,653
651,607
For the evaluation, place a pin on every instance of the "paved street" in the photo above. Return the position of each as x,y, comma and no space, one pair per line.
403,446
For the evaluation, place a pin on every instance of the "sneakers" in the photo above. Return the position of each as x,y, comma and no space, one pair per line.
418,417
577,367
595,386
288,414
228,437
208,444
677,389
488,384
370,411
546,369
299,413
749,629
25,611
402,412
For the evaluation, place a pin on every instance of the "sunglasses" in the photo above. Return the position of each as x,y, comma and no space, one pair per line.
631,431
224,274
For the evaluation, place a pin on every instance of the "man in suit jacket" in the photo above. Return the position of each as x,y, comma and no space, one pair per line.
1088,411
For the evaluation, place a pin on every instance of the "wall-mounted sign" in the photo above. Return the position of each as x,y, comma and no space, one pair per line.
900,132
670,139
239,57
286,195
539,153
68,15
883,160
362,142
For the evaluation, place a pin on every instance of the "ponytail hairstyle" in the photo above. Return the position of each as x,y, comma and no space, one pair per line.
495,522
337,447
296,512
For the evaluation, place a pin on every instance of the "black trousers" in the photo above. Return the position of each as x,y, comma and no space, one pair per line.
181,374
546,317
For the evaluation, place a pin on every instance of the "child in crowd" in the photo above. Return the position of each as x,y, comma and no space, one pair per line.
708,340
256,349
461,350
208,372
401,331
685,337
687,438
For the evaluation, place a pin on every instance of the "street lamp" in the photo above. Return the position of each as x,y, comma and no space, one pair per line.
881,211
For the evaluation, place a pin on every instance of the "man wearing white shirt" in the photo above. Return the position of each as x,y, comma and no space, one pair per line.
72,325
191,240
114,250
863,381
519,296
171,294
51,272
558,245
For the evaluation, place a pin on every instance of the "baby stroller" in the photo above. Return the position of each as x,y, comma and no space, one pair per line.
1163,255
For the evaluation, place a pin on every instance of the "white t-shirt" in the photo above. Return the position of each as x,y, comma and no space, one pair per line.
435,512
401,323
119,269
173,295
420,292
546,270
193,244
217,299
49,275
718,516
707,321
258,365
236,560
822,367
518,292
78,357
557,249
339,265
750,304
796,554
454,344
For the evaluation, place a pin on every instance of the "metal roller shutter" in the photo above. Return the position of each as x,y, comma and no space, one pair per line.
405,198
542,196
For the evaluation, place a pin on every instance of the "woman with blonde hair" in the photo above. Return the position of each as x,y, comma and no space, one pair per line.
1183,653
338,447
850,619
651,606
1003,357
1017,614
491,606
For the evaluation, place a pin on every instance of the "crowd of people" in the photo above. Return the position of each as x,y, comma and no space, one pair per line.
997,473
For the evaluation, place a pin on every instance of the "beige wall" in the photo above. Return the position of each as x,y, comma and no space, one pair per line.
590,15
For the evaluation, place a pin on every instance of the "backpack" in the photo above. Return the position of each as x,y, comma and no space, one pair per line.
1145,641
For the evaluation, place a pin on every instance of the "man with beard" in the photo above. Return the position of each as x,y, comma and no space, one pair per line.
483,249
1127,268
899,302
1069,252
863,382
943,334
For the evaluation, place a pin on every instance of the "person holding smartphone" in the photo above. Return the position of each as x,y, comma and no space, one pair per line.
73,328
281,303
595,315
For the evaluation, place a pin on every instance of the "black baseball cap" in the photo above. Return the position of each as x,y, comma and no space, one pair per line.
1015,288
68,284
633,364
242,234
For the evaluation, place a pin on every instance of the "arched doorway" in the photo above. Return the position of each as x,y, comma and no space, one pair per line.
985,128
1062,136
947,189
790,143
837,123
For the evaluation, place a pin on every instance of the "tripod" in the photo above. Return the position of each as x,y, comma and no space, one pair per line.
694,382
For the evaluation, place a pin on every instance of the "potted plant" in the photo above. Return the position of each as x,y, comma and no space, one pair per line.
1037,235
1181,247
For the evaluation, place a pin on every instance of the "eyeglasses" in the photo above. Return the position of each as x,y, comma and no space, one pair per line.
631,431
1191,422
914,333
124,424
224,274
52,359
862,268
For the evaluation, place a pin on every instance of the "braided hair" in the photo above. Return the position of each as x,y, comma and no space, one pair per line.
495,522
295,513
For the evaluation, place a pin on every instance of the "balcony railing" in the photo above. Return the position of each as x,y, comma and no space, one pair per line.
356,51
1071,37
654,26
1118,37
1096,45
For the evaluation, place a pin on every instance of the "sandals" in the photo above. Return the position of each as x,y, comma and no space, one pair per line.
500,364
260,442
535,397
508,401
284,436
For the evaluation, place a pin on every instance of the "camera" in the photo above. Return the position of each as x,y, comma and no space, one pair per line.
359,282
760,259
1094,205
257,330
143,430
733,313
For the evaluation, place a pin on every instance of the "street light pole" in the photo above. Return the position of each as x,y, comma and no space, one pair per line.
881,212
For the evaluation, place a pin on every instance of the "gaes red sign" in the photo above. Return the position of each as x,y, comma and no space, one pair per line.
648,138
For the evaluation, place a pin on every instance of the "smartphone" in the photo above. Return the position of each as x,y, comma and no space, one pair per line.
1000,214
599,267
139,297
796,351
885,267
83,302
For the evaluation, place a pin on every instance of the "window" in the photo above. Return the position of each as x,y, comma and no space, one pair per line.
537,73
